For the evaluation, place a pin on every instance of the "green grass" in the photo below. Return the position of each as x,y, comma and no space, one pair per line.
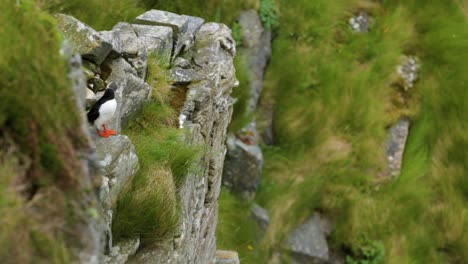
39,124
333,87
148,207
236,229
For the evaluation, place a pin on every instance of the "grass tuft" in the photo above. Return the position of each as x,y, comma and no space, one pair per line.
147,208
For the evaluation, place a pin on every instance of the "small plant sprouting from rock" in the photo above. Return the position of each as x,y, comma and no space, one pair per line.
268,14
367,252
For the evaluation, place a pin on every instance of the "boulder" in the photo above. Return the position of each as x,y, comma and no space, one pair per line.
123,39
260,215
132,92
84,40
227,257
308,242
360,22
184,76
156,40
242,166
187,38
398,134
153,17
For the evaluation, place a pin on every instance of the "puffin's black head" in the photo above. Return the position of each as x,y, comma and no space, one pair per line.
112,86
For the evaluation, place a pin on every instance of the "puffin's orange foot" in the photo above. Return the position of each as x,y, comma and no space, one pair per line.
103,134
111,132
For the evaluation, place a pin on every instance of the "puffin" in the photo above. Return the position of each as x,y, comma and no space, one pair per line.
103,110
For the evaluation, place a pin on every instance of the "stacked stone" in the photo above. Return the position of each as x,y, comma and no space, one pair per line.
200,57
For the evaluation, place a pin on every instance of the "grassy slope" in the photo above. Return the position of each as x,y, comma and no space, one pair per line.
336,85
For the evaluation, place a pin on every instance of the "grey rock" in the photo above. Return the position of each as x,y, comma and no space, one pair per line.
85,40
243,166
251,27
256,50
157,40
308,243
131,94
119,161
260,215
140,64
184,76
408,70
123,39
120,253
206,124
178,23
181,63
187,38
227,257
398,134
360,23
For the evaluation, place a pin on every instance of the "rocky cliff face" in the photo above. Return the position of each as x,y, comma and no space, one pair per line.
200,57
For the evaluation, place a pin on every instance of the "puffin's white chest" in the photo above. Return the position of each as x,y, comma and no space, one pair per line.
106,112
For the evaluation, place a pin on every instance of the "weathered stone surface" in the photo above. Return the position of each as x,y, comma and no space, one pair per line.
178,23
398,134
408,70
157,40
256,50
208,112
130,95
119,161
85,40
123,39
187,38
243,166
184,76
227,257
360,22
308,243
260,215
120,253
181,63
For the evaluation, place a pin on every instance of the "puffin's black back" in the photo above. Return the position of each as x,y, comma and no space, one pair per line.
93,114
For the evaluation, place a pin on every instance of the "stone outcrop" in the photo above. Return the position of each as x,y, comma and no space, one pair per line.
244,159
201,59
208,111
260,215
308,242
398,134
85,40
